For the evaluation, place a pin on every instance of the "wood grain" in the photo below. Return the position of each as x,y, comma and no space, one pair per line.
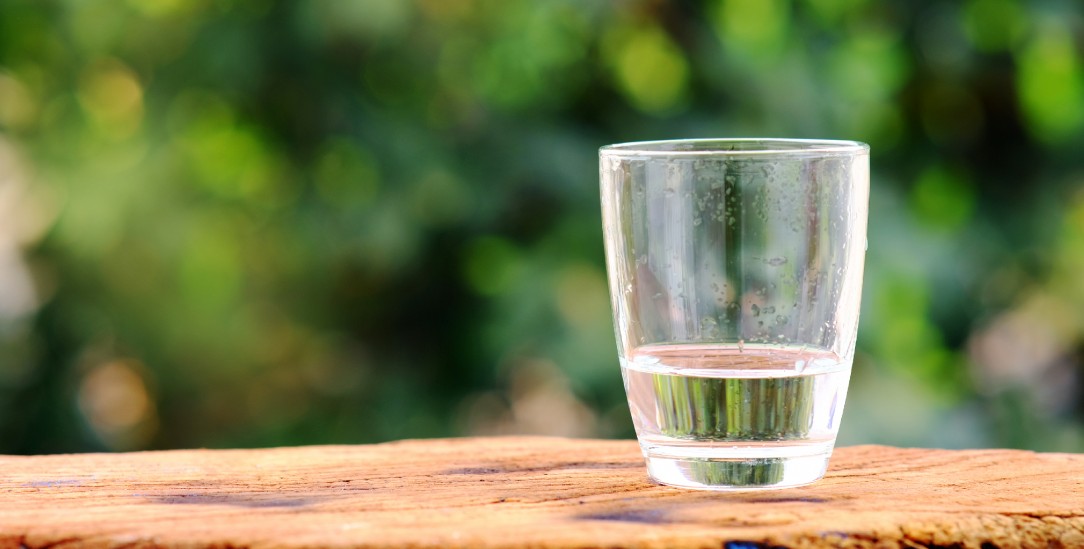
529,492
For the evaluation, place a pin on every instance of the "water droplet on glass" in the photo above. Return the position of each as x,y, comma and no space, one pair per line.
756,310
776,261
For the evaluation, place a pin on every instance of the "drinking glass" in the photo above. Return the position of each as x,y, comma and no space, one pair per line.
735,273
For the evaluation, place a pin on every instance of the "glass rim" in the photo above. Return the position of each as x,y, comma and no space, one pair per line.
751,146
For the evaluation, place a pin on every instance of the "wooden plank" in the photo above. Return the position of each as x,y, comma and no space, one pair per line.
529,492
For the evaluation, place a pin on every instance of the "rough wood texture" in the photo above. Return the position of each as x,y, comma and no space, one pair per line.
529,492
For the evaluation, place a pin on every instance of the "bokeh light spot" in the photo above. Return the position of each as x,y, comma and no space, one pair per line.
650,69
755,28
492,265
232,161
112,97
117,404
1051,84
942,199
869,67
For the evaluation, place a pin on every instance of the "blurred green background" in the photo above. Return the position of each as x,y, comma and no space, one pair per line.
254,223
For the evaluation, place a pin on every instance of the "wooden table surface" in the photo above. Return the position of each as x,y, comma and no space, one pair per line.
529,492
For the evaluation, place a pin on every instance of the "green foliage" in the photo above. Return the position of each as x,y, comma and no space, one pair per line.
262,223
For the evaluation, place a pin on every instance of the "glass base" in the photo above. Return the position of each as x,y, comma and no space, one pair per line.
732,474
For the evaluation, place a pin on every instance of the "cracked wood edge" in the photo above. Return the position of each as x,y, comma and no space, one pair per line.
529,492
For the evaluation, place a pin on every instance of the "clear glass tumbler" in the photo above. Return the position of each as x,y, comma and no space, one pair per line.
735,271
